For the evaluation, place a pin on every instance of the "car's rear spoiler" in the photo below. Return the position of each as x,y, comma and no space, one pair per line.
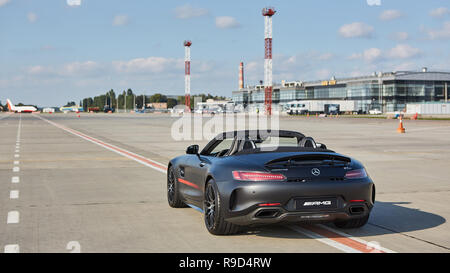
310,156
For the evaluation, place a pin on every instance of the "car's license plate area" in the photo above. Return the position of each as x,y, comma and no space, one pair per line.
318,203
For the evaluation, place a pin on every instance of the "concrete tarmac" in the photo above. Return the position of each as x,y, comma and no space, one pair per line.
74,195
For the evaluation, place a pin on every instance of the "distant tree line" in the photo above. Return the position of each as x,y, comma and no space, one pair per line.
126,99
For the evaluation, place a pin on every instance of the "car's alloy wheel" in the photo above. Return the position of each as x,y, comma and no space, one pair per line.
212,212
210,206
173,196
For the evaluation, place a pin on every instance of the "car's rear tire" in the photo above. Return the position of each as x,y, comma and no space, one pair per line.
353,223
213,212
173,195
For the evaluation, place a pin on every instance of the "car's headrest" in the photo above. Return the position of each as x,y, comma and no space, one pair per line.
248,144
307,142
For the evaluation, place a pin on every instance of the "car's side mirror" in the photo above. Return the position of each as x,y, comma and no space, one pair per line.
192,150
321,146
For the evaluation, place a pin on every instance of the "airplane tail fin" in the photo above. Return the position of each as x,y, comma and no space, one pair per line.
11,106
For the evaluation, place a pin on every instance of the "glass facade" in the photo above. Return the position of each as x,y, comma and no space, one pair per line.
387,95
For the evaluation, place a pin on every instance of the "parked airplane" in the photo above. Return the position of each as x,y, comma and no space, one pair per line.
74,108
20,109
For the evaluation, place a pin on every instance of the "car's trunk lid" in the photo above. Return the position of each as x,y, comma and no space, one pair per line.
311,166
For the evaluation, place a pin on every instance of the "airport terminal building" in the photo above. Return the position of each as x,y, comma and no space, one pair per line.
387,92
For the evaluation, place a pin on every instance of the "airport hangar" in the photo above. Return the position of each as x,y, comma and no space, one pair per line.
398,89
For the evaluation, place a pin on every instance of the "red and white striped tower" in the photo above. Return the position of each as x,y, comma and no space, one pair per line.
241,76
187,73
268,13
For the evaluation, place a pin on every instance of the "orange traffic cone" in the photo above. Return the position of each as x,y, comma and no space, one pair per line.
307,114
400,128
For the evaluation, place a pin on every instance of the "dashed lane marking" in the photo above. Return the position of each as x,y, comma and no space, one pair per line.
12,249
14,194
13,217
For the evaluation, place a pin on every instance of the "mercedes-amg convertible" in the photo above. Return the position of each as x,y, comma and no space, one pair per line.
248,178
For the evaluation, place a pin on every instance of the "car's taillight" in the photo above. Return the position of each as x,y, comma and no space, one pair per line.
257,176
355,174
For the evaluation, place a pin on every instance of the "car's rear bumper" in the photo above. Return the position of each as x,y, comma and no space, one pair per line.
272,215
251,203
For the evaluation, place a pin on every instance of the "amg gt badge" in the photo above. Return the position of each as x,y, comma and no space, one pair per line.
315,172
317,203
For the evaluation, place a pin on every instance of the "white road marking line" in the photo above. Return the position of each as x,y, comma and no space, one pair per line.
13,217
12,249
16,169
323,239
140,159
14,194
17,151
16,162
16,155
387,250
15,180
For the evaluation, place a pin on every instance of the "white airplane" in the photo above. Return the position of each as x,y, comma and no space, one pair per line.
20,109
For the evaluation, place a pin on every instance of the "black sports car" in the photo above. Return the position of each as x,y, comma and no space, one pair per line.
246,178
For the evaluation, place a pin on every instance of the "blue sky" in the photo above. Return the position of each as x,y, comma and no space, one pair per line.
51,52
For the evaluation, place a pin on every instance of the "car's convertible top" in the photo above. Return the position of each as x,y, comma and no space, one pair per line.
281,149
248,142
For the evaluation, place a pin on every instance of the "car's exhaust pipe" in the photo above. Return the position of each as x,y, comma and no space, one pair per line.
355,210
267,213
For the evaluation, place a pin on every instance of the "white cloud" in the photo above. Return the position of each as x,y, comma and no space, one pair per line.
439,12
4,2
187,11
227,22
32,17
355,30
368,55
148,65
372,54
390,14
374,2
120,20
74,3
80,68
403,51
399,36
326,56
88,68
443,33
36,70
